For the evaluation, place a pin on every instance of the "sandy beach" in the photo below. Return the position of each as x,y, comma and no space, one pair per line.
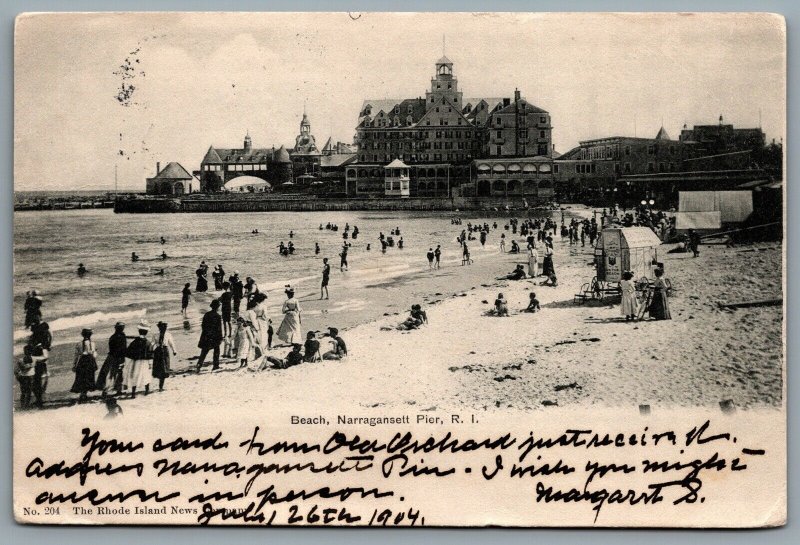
566,355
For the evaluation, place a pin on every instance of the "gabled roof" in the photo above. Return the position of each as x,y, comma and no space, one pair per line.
173,171
662,134
327,146
397,163
415,107
233,155
211,156
337,160
444,60
528,107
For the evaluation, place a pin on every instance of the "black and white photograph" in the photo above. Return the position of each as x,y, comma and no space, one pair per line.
312,229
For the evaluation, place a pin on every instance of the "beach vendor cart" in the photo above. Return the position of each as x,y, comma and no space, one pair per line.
621,249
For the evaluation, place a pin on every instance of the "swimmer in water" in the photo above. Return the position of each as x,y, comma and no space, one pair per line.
134,257
81,269
163,240
316,248
159,272
164,255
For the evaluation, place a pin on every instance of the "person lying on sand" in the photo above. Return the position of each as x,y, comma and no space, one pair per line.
295,357
417,318
517,274
533,304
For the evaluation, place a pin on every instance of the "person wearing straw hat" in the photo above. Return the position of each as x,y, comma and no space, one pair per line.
210,336
139,361
84,366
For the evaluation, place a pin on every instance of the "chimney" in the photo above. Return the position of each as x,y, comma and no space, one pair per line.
516,95
506,101
158,167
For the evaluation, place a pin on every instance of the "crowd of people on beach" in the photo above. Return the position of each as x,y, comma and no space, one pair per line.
237,325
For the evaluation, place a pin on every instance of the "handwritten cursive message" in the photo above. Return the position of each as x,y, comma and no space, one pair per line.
383,477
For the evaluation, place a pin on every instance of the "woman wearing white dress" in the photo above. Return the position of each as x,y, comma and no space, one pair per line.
628,289
289,331
139,361
533,261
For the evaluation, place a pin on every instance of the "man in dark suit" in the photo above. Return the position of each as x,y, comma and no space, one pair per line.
210,335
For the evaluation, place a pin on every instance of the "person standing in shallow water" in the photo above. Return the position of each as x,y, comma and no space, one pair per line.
185,293
202,278
85,366
326,276
430,257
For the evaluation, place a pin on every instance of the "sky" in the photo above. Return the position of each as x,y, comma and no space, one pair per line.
207,79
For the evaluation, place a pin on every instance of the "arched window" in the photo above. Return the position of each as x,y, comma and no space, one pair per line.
499,187
514,187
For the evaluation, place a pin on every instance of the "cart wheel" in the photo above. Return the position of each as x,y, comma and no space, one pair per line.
596,288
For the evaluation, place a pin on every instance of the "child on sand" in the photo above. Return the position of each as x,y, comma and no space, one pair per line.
533,304
500,305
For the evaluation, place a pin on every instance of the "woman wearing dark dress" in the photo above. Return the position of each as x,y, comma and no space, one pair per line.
161,354
85,366
659,305
202,279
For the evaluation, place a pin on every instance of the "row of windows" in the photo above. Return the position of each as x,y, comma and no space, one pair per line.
246,167
397,135
522,133
460,144
385,157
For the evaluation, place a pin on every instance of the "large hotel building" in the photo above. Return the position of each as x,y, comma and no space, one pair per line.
453,145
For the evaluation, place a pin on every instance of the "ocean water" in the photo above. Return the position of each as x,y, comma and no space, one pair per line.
48,246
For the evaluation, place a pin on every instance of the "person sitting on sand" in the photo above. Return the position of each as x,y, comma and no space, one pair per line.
533,304
500,305
514,247
416,318
339,347
295,357
551,281
517,274
312,352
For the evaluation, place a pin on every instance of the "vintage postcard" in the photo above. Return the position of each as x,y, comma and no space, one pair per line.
400,269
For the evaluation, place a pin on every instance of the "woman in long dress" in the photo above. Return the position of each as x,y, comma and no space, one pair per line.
163,345
533,261
139,361
628,290
202,280
289,330
258,316
85,366
659,306
547,265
